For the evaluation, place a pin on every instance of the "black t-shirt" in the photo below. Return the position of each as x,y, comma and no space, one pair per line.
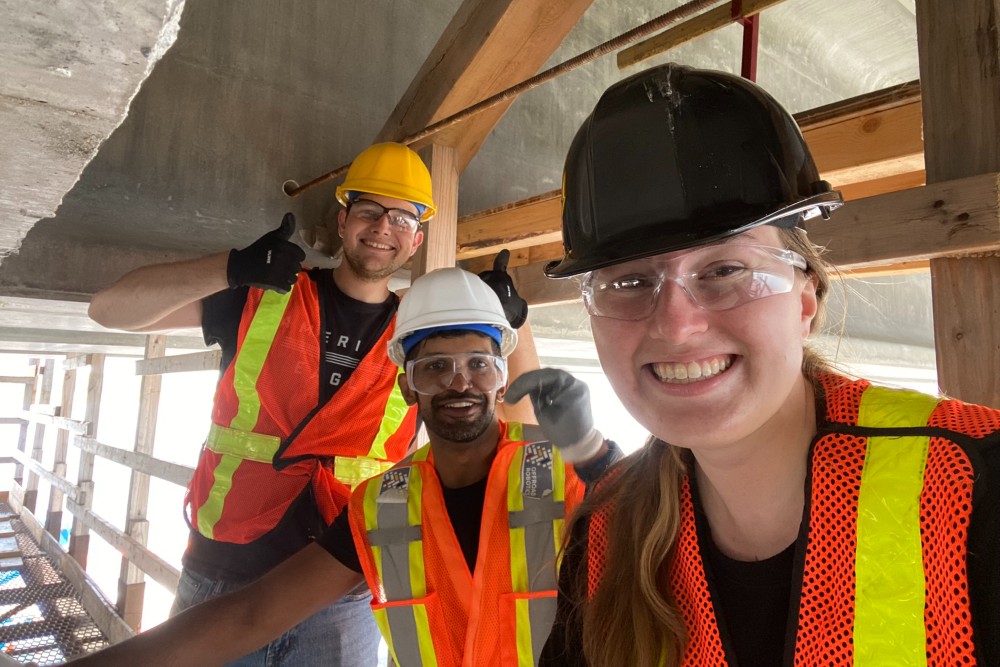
465,511
350,329
754,599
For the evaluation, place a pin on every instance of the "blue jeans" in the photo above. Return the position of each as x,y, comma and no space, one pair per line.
342,635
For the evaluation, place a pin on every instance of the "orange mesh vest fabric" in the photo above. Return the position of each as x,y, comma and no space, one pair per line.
258,495
825,626
467,614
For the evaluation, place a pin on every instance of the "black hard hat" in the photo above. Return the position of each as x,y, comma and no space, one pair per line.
675,157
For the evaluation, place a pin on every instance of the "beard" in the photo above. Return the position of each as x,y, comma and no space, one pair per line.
458,430
369,273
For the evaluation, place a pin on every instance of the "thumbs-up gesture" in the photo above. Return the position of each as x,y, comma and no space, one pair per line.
271,262
515,309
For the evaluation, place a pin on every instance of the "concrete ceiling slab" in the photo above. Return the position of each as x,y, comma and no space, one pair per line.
256,92
67,74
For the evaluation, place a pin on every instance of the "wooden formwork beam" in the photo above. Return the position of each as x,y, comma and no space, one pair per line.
868,145
959,57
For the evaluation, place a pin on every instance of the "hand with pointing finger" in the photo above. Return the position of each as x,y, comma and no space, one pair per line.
562,406
272,262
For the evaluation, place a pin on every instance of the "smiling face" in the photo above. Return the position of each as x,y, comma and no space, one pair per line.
461,413
700,378
374,251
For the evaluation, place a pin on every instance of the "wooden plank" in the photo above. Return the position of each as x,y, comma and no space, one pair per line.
54,514
880,186
8,547
75,361
488,46
959,56
130,579
937,220
695,27
11,563
171,472
71,425
63,485
862,153
93,601
438,249
13,421
889,233
523,224
869,147
16,379
79,540
27,397
44,388
180,363
158,569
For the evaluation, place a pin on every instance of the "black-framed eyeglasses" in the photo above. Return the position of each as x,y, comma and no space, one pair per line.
370,212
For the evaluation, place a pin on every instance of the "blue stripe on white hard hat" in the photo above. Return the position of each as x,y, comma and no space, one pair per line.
414,338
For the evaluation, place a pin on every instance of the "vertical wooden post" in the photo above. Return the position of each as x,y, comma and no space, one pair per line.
42,397
131,582
79,540
960,84
441,233
22,437
53,519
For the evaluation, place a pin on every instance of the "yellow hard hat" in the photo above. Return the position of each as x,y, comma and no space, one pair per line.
390,170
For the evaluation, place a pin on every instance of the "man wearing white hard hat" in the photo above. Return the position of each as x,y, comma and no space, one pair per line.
459,541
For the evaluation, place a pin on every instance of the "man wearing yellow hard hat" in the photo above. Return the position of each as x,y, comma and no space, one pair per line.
307,405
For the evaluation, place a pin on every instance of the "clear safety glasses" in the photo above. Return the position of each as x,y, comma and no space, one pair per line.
371,212
436,373
715,277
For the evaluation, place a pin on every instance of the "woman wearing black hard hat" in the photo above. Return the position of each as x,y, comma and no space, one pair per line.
780,514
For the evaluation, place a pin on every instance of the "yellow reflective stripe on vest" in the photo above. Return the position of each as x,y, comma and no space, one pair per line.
211,510
536,491
393,523
252,354
244,444
352,470
890,587
239,443
393,415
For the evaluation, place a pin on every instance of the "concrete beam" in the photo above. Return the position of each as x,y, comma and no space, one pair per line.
68,72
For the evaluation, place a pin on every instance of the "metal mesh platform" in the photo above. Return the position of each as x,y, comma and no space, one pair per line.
41,618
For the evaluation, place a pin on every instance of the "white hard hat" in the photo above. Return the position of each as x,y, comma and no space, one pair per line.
449,298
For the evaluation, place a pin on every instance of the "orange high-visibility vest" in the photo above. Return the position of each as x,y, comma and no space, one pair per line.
883,572
430,609
250,471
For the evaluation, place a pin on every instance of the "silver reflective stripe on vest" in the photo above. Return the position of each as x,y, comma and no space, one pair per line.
398,537
394,534
540,509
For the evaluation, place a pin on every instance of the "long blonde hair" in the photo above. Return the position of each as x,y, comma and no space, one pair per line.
632,618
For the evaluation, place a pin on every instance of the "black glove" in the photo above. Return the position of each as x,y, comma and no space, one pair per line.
562,407
271,262
515,309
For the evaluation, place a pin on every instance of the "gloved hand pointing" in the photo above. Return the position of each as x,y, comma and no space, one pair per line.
562,406
515,309
271,262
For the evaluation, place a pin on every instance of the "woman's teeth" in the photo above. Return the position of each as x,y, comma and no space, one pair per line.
692,371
